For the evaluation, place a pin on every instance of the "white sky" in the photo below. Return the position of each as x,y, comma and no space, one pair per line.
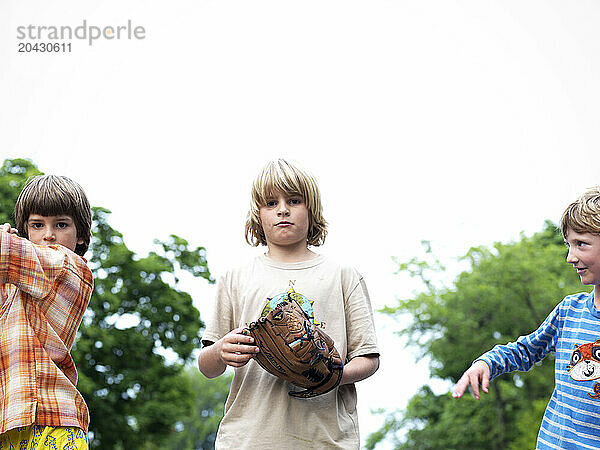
460,122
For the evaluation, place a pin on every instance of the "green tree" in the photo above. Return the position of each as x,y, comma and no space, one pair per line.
137,317
508,291
14,173
199,430
137,334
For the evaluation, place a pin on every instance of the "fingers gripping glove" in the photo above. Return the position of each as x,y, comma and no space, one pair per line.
293,348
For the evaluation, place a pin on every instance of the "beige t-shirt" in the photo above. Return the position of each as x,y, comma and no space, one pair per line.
259,413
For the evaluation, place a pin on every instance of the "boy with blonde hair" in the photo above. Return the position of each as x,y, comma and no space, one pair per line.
286,216
45,287
572,330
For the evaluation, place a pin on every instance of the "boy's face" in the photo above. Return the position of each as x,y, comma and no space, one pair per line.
285,220
45,230
584,254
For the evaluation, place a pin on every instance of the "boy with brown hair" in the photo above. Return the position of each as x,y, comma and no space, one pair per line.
45,287
286,216
572,330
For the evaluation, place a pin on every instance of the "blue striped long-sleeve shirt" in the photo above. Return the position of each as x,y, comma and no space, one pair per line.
572,330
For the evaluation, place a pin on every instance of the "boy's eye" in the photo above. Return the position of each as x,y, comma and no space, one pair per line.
576,243
271,203
36,225
62,225
295,201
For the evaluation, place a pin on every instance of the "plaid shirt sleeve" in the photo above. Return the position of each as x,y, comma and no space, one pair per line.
44,292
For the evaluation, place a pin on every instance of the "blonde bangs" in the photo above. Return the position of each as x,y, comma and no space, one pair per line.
275,180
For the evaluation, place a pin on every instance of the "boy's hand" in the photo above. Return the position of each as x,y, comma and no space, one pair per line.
237,349
8,229
479,372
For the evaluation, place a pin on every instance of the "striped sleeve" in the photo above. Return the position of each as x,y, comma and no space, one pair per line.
526,350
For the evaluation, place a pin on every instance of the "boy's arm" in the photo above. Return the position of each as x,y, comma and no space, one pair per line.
359,368
234,349
360,324
31,269
6,228
53,276
519,355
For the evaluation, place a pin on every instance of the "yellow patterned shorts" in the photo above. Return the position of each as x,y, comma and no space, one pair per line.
36,437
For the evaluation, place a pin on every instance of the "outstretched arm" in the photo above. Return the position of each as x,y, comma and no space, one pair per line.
519,355
478,373
234,349
359,368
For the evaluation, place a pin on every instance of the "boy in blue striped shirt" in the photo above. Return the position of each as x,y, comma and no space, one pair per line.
572,330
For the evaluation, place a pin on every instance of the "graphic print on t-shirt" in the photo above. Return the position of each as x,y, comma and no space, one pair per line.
290,295
585,364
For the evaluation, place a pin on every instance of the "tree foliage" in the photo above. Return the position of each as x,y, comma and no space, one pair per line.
508,291
198,430
137,317
14,173
137,334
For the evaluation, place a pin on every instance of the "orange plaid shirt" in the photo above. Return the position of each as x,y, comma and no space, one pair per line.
44,291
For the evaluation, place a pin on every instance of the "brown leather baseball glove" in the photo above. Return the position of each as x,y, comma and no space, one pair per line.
293,348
